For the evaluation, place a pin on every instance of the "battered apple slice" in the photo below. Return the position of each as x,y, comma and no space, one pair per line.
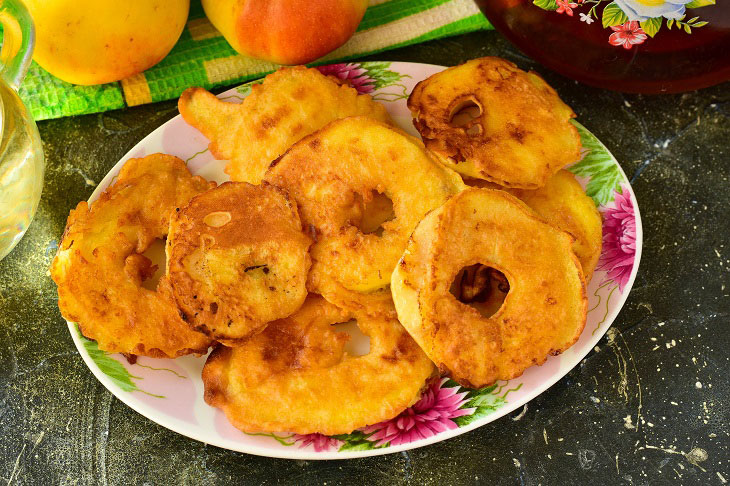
296,375
341,178
543,313
489,120
290,104
100,266
237,259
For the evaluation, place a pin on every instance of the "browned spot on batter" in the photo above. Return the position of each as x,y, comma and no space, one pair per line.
313,232
444,370
275,161
404,349
504,73
517,133
407,347
267,123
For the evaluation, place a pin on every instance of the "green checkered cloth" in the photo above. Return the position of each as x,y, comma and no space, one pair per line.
202,57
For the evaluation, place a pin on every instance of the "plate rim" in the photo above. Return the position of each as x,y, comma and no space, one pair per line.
174,425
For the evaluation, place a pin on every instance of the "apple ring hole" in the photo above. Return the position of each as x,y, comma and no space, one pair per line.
466,114
358,343
376,210
155,253
481,287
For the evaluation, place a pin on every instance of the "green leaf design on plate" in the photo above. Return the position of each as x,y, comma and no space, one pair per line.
380,74
613,15
606,303
281,440
245,88
484,400
700,3
111,367
599,166
546,4
162,369
196,154
356,441
652,26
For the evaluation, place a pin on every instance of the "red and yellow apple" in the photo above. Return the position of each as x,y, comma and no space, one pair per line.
285,31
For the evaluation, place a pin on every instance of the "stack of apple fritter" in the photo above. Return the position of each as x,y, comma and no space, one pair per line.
335,214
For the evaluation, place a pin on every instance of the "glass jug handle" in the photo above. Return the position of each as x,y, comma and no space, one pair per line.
18,40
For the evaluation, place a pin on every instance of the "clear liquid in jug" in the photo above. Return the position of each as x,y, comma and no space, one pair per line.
21,169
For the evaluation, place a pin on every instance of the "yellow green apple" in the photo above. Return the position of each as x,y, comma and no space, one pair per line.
99,41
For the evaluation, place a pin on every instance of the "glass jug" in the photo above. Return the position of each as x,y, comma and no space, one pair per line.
21,154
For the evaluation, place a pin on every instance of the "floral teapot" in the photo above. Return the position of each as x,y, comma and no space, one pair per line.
649,46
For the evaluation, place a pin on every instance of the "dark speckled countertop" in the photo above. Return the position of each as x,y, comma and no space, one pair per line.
648,406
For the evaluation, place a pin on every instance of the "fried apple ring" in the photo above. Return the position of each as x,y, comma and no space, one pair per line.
237,259
521,135
99,267
290,104
335,175
543,313
563,203
295,376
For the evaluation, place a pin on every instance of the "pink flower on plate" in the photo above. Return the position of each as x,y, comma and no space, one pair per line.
566,6
619,239
627,35
351,73
429,416
320,442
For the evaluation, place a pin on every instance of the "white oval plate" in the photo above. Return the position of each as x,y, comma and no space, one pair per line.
170,392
